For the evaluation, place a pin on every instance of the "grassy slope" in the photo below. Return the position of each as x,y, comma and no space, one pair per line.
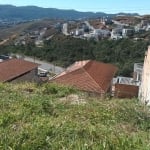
33,118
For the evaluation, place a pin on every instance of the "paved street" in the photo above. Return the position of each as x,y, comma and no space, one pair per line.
46,65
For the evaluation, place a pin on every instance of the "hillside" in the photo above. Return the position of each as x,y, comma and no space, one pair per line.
48,117
65,50
10,12
7,32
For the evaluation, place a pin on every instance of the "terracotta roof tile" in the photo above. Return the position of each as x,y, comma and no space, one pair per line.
13,68
102,73
92,76
80,79
75,66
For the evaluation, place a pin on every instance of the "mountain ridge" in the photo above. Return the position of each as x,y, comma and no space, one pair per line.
34,12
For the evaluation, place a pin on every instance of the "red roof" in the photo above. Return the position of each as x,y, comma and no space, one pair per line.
13,68
88,75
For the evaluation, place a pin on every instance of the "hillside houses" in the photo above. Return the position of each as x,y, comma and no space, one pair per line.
35,36
100,28
99,78
88,75
109,28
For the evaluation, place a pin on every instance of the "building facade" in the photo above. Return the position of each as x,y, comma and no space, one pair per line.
125,87
144,92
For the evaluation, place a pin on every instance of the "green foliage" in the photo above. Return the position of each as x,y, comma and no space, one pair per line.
60,90
64,50
37,119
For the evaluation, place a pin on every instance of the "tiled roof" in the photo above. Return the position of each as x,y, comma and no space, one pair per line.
75,66
90,76
13,68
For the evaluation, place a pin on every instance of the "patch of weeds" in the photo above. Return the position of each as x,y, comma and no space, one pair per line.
58,90
49,108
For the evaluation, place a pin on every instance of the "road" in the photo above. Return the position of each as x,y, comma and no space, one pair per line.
119,23
45,65
6,40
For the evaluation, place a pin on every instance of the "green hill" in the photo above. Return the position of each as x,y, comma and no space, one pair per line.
44,117
7,32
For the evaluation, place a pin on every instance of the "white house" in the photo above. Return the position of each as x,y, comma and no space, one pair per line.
116,33
79,32
102,33
148,28
127,32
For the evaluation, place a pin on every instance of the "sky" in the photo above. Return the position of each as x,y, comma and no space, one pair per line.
107,6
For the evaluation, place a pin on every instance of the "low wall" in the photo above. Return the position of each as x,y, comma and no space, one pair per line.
126,91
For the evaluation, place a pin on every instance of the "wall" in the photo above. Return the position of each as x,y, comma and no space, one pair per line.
126,91
144,92
30,76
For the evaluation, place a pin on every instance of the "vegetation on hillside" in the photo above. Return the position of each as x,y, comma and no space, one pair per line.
43,117
22,28
65,50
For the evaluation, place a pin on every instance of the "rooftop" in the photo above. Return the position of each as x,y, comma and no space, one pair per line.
12,68
88,75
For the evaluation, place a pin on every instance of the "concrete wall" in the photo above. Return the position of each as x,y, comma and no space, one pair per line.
144,92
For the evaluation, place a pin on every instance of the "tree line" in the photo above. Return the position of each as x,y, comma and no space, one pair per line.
64,50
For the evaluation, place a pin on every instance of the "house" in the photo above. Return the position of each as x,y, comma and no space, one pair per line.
106,21
139,29
148,27
90,36
101,33
17,70
127,87
116,33
144,92
127,32
88,75
144,22
79,32
39,43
